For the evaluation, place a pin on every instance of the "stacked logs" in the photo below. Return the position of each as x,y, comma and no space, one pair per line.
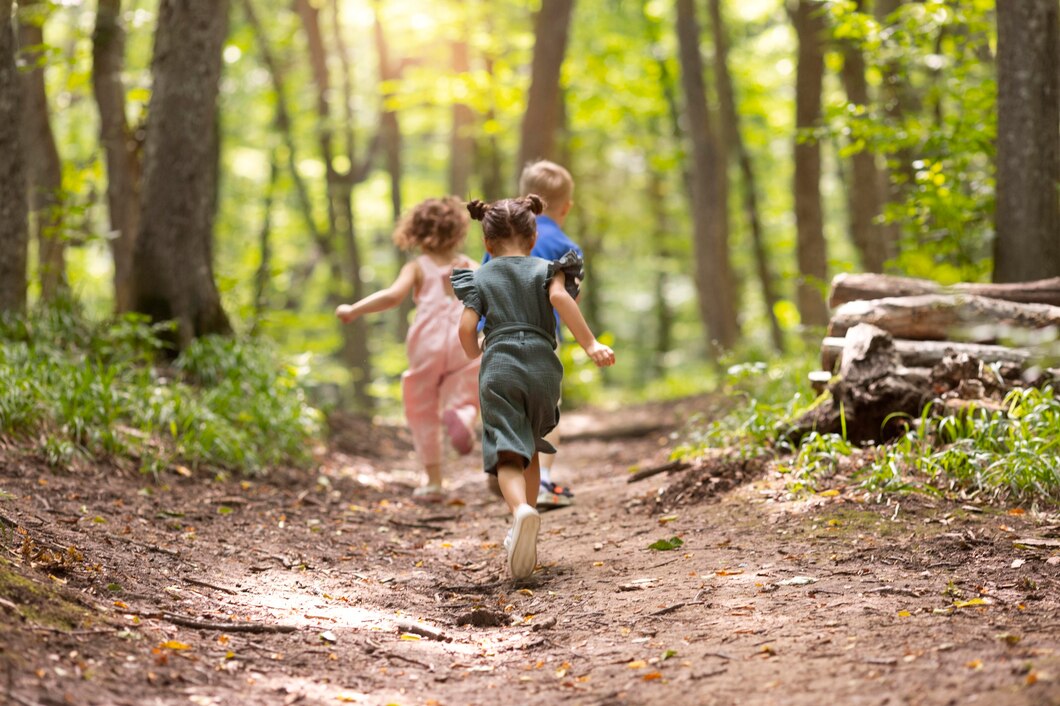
894,344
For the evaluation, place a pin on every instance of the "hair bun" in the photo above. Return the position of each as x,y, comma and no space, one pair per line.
536,204
477,209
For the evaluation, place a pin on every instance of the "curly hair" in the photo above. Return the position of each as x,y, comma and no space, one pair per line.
433,226
508,218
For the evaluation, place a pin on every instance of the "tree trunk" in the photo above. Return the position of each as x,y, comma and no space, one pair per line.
173,268
461,141
956,317
811,250
1028,141
851,287
731,129
541,119
390,128
898,99
43,167
120,146
661,229
340,185
709,210
13,230
866,190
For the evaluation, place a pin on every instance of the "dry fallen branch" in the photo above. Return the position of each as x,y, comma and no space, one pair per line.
429,633
670,467
186,622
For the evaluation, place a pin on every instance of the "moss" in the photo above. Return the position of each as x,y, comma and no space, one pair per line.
38,603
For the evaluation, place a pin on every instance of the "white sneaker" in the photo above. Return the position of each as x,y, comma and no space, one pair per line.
522,547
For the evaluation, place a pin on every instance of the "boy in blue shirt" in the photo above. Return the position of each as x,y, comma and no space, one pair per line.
555,186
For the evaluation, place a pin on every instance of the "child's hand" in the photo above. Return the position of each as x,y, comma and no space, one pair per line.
345,313
602,355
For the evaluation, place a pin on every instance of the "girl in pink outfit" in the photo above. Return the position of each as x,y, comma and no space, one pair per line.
440,388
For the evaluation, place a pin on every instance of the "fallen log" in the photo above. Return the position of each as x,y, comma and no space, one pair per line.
926,354
957,317
850,287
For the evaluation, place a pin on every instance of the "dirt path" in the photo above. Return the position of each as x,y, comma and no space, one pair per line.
769,600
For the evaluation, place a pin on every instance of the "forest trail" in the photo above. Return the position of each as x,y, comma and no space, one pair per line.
768,600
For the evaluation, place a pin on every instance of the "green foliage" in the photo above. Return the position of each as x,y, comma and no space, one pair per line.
1007,454
817,459
93,388
763,397
933,122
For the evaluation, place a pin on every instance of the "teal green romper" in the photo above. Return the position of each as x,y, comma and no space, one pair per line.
520,376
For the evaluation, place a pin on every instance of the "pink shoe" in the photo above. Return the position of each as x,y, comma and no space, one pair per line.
459,434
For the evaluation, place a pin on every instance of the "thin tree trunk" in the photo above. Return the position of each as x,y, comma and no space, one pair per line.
13,227
43,166
340,196
488,149
541,119
709,210
323,249
390,128
262,276
809,219
661,229
898,99
173,268
865,191
734,136
1028,141
461,140
121,148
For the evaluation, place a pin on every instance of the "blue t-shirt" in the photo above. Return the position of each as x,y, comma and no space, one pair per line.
552,244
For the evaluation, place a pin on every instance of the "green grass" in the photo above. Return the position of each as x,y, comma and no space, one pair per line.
1012,455
100,389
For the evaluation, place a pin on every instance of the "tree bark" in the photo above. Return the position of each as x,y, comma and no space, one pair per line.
340,185
1028,141
13,202
957,317
43,166
120,147
734,136
541,119
865,194
709,209
173,269
811,250
926,354
461,140
849,287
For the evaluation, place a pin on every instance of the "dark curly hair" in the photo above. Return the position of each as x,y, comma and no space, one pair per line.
433,226
509,218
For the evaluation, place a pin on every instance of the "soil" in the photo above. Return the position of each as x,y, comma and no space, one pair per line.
332,586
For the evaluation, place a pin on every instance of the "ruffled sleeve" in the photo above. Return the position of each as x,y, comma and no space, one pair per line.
466,290
573,269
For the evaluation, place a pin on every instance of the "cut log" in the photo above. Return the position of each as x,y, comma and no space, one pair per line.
927,354
936,317
852,287
871,395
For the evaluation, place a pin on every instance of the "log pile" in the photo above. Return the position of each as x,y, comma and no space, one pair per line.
894,344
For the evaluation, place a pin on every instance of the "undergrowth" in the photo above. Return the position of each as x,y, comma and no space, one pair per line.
1008,455
75,387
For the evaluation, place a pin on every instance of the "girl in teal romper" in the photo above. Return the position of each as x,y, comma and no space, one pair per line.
519,380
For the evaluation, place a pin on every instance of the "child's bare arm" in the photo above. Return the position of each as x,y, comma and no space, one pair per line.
571,315
467,331
384,299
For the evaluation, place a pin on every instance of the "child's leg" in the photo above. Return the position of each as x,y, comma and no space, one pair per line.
515,483
518,485
460,402
419,392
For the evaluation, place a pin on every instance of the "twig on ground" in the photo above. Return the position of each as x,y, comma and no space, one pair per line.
671,609
187,622
145,545
204,584
429,633
671,467
415,525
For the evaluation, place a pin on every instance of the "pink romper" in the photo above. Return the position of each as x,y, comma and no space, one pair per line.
440,377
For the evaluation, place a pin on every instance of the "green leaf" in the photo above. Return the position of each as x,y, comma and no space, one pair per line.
665,545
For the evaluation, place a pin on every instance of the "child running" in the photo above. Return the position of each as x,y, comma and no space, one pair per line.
519,382
440,385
